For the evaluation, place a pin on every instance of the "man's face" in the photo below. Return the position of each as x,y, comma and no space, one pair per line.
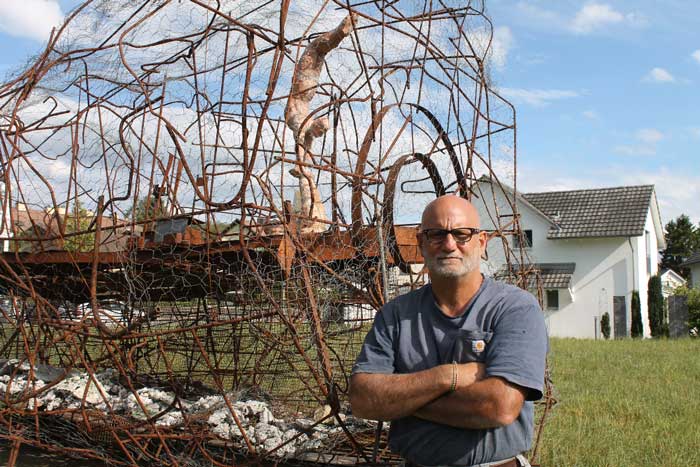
447,257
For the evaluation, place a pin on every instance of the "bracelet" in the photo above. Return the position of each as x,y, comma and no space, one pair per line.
454,376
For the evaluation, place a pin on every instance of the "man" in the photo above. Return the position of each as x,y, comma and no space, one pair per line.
456,364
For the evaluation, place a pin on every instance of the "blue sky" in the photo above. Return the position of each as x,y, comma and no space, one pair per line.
603,89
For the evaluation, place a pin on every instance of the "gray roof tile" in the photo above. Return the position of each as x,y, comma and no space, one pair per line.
600,212
553,275
692,259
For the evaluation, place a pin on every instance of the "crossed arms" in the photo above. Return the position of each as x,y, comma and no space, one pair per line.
478,402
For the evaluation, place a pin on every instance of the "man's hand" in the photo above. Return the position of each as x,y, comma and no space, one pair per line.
468,374
392,396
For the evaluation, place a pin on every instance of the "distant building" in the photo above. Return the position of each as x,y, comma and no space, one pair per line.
693,263
670,281
590,249
31,230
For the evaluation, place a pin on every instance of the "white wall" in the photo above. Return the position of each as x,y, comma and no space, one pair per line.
694,275
605,267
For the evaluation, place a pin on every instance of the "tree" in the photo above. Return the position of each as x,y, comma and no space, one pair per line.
682,239
637,326
655,302
693,297
79,221
605,325
147,208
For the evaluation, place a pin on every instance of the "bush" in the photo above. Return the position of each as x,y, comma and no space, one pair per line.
637,326
655,302
693,297
605,325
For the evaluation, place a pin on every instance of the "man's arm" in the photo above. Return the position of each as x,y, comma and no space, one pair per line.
391,396
489,403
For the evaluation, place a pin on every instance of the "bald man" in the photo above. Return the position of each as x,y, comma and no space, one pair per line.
456,364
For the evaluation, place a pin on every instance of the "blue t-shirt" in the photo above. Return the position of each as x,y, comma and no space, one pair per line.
502,327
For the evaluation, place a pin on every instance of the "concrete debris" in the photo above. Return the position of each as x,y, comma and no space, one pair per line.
267,434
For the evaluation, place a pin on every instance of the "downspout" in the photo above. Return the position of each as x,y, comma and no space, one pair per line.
634,279
634,274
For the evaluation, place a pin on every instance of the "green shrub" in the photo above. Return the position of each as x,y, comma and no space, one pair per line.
637,326
655,302
693,297
605,325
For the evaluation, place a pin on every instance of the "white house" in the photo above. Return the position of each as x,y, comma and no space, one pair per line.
670,281
693,263
591,248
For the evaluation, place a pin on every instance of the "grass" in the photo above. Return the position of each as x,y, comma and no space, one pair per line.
624,403
259,354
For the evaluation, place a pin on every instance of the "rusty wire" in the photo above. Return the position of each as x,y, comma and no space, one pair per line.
243,178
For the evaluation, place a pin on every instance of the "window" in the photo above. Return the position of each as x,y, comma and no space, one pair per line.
647,239
527,238
553,299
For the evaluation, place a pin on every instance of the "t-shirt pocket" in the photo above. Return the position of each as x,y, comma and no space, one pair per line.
470,346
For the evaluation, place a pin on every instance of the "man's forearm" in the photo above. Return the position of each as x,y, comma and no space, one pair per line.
392,396
488,403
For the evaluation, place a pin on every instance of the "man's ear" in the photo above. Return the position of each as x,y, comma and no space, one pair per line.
484,238
419,238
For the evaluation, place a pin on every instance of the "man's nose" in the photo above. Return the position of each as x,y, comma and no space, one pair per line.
449,243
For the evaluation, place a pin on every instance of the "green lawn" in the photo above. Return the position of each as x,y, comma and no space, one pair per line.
624,403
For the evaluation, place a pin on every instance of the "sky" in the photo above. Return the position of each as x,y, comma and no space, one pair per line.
603,90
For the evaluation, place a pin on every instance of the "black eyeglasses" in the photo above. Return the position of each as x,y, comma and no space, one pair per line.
461,235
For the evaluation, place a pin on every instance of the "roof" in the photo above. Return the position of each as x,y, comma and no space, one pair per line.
46,224
693,259
670,274
553,275
599,212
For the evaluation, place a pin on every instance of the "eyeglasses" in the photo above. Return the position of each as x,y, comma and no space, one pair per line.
461,235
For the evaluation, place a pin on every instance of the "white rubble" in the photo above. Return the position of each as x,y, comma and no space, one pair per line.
265,432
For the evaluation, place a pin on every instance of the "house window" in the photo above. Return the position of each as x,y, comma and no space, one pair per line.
553,299
647,239
527,238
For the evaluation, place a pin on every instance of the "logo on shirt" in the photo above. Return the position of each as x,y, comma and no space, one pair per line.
478,346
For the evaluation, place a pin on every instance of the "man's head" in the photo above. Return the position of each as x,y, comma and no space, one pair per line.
449,237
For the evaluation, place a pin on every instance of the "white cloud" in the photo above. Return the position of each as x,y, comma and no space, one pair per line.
533,13
30,18
502,42
499,44
696,55
536,97
594,16
58,168
591,114
659,75
591,18
676,190
635,150
647,139
649,135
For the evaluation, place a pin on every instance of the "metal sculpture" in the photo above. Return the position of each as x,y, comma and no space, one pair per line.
169,295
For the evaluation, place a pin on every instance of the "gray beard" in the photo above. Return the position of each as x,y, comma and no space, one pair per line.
470,263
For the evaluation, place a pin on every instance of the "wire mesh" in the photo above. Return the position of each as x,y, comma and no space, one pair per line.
204,204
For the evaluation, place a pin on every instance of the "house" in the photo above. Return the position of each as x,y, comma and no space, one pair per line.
37,230
670,281
693,263
590,250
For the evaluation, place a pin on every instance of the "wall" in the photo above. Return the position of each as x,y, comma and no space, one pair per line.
694,275
669,283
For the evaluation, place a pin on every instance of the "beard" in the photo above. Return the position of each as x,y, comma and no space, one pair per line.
453,269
